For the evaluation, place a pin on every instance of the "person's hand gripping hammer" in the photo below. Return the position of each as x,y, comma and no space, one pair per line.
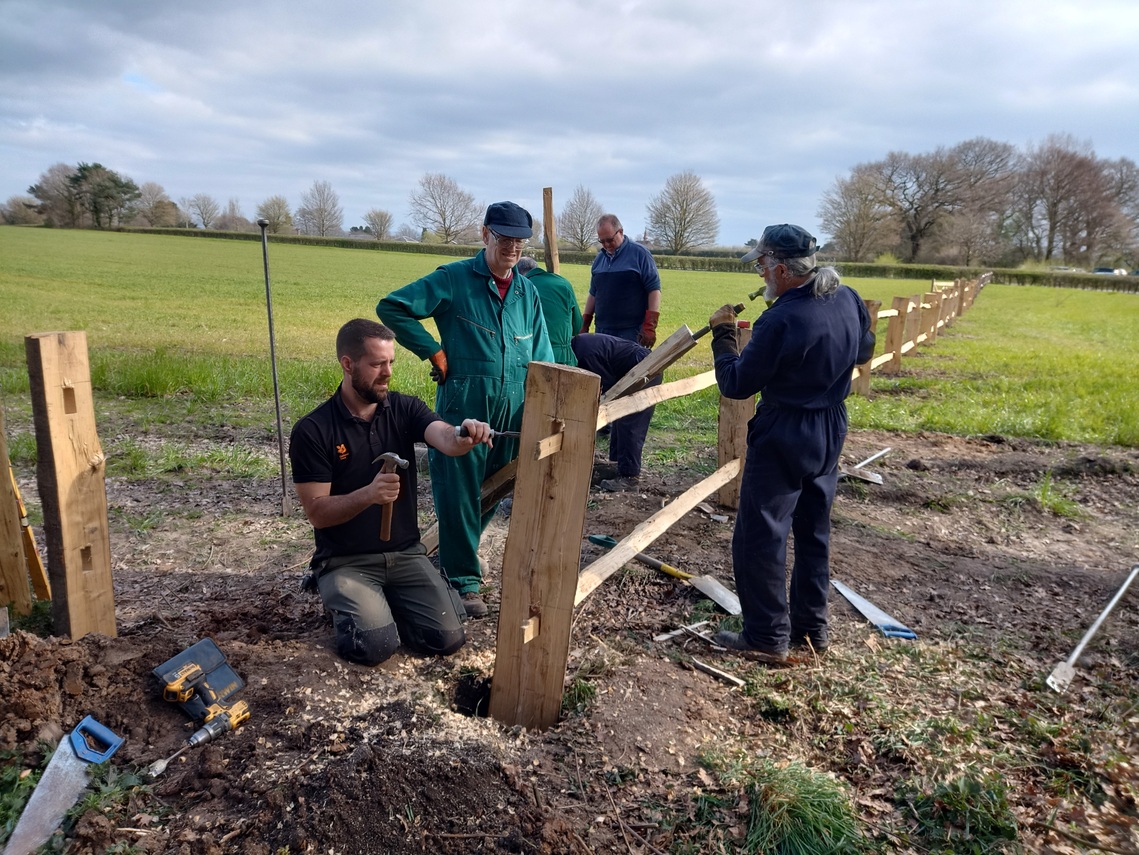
391,461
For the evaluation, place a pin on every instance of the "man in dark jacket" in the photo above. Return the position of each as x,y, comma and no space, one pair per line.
802,353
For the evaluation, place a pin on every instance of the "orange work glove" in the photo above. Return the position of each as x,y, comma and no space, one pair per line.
439,367
648,334
586,320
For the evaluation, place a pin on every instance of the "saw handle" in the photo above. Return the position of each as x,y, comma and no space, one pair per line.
94,742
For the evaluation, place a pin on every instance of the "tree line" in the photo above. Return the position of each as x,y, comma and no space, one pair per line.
983,202
980,202
681,218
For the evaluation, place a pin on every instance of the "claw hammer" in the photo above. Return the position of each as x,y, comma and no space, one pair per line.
391,461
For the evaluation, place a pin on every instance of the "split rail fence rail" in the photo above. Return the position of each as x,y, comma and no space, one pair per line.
542,580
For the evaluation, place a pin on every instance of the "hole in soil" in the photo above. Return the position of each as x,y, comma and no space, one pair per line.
472,695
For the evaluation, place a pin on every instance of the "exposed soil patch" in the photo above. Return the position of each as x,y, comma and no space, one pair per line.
957,543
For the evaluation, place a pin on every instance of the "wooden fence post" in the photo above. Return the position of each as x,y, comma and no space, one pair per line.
931,316
861,384
550,230
72,483
14,587
543,548
896,335
732,432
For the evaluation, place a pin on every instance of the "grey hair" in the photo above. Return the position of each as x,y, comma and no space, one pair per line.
612,220
526,264
825,280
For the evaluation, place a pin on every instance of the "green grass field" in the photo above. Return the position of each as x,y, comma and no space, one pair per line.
177,333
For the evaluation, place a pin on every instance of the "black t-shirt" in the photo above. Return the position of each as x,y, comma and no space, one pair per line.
332,446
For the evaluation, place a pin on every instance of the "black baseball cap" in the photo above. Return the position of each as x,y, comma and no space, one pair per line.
509,220
784,241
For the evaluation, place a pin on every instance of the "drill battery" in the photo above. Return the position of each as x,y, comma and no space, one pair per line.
198,678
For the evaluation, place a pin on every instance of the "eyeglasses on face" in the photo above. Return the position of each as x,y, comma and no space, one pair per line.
612,239
517,243
761,262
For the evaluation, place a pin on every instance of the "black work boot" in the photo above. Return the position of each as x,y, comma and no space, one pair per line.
735,642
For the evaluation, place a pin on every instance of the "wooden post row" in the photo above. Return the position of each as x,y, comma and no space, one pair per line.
72,483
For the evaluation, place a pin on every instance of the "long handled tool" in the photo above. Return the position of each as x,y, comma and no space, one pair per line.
711,588
855,471
1062,674
889,626
264,224
63,780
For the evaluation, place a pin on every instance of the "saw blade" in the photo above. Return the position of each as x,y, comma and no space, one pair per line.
61,783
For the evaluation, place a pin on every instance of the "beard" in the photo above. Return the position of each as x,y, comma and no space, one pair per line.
368,392
769,294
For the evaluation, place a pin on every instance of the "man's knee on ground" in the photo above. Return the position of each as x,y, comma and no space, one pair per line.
443,642
367,646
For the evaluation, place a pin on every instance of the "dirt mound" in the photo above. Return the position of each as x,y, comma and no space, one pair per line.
340,758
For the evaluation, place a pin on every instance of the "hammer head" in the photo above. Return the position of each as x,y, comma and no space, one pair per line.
391,461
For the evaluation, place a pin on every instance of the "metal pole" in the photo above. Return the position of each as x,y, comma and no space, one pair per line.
263,223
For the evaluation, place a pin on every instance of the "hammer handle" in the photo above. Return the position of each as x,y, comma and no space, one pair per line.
386,522
704,330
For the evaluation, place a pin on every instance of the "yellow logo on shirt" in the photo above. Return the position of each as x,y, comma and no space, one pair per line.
342,451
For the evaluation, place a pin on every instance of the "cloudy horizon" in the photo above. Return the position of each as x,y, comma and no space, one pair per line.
768,103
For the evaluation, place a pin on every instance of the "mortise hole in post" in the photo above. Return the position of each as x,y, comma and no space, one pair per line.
69,406
85,558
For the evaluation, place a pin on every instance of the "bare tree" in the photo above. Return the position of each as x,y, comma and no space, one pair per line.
442,207
406,232
276,210
232,220
205,208
380,223
683,216
58,198
21,211
323,215
577,223
851,214
154,206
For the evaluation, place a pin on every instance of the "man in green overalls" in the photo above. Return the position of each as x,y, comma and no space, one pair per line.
490,325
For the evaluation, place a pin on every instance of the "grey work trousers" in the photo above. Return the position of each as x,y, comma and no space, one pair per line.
379,599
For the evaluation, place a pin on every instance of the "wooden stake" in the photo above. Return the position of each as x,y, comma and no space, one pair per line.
732,435
550,230
72,482
13,573
543,547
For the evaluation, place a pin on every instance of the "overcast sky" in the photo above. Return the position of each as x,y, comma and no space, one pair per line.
767,102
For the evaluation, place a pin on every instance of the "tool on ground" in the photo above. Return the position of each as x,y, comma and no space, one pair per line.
391,461
219,719
1062,674
855,470
40,584
264,224
711,588
704,330
198,678
62,782
461,431
888,626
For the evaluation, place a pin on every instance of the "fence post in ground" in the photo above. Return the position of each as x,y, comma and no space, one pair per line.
543,549
861,383
930,314
550,230
913,323
72,484
14,587
896,335
732,435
